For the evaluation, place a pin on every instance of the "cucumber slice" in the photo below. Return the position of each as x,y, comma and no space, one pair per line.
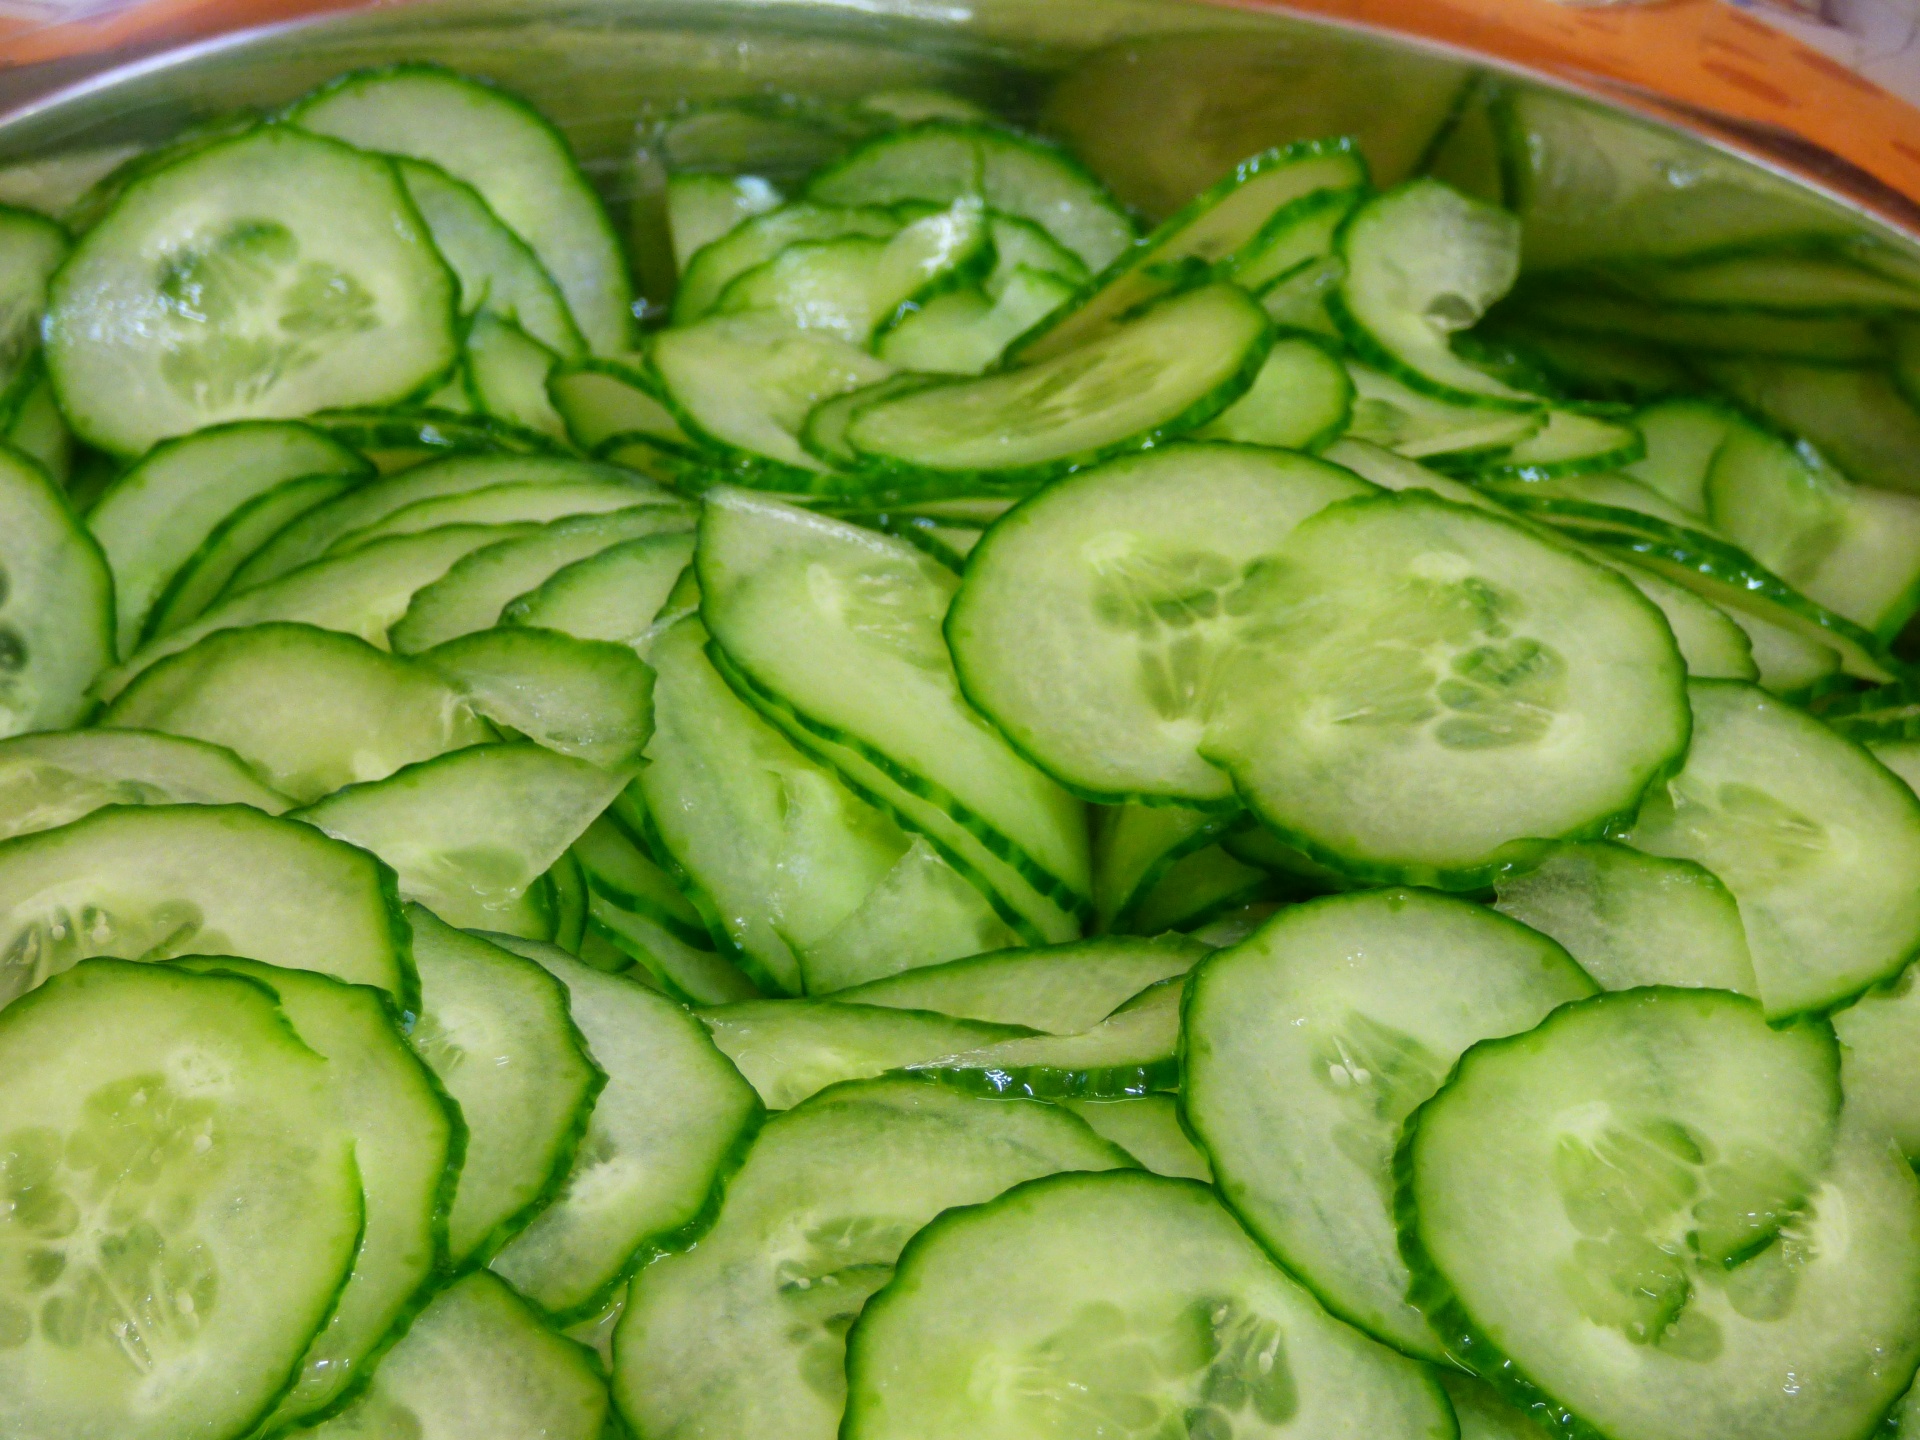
618,867
34,424
1421,427
1578,306
498,273
1057,989
966,331
1683,435
469,832
1634,919
362,594
31,249
1331,733
617,594
843,624
476,589
532,503
1119,1295
495,1029
940,161
53,778
756,241
508,370
1877,1036
653,955
1614,491
584,698
1571,443
409,1141
605,401
313,710
1200,886
1788,663
273,274
1306,1046
792,1049
1169,370
1712,643
1722,1252
1887,713
703,208
517,162
479,1365
1132,1051
743,384
1148,1128
824,433
1422,262
1857,415
727,1340
1598,367
1300,301
399,438
855,286
1301,399
1293,238
1813,837
149,882
1218,223
1787,281
184,1202
229,545
56,603
1481,1413
566,883
673,1118
153,519
1093,617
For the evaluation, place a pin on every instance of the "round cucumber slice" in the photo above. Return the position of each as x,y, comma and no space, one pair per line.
266,276
1311,1041
54,777
181,1209
1123,1303
1093,617
56,603
1425,692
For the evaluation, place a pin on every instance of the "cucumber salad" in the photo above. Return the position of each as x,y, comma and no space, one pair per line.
972,817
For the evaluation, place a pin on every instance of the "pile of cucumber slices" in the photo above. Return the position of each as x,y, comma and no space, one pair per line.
965,823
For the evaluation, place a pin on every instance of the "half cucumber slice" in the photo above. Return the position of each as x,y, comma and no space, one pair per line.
53,777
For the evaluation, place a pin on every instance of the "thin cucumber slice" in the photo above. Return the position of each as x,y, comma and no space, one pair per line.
1148,1128
703,208
824,434
1634,919
1481,1413
1712,643
1683,436
1292,239
1424,427
155,517
673,1118
585,698
620,869
1216,224
792,1049
1310,1042
34,425
56,603
1199,886
55,777
409,1141
1056,989
495,1028
1300,301
478,1365
1579,307
1171,369
1422,262
967,331
940,161
272,274
1888,715
470,832
743,1335
1877,1034
310,537
313,710
149,882
604,401
1721,1250
844,625
362,594
1615,491
744,385
497,272
399,438
515,160
1133,1051
1330,731
654,955
1093,617
517,502
1857,415
616,594
949,544
1788,281
1787,662
508,370
566,884
1811,834
1301,399
756,241
476,589
855,286
1571,443
1124,1294
31,249
198,582
184,1202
